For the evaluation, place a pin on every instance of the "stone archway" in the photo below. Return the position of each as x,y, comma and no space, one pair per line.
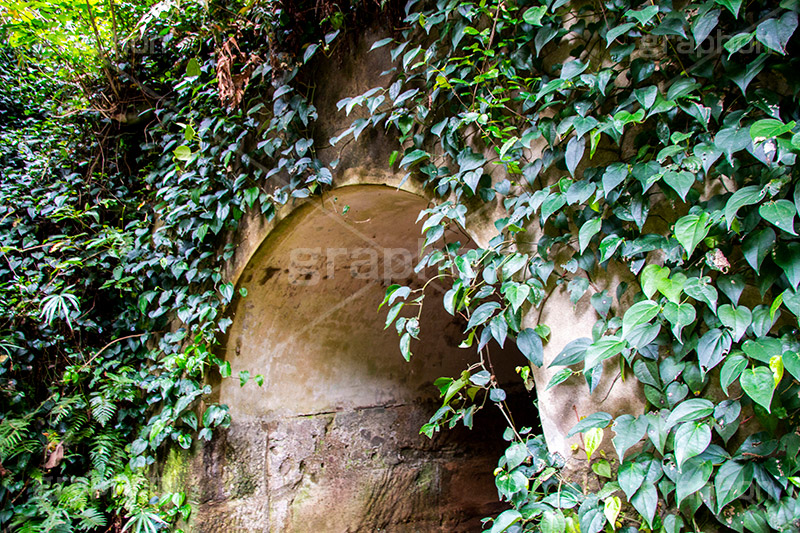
330,441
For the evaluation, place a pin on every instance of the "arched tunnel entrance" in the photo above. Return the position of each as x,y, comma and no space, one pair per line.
330,442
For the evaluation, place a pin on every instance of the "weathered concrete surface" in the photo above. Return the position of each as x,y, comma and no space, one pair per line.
331,441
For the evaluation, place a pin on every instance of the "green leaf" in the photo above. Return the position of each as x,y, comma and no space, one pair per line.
639,313
613,176
791,362
530,344
681,182
192,68
602,349
309,53
651,277
225,369
768,128
689,411
781,213
712,347
672,287
735,318
552,520
630,476
788,258
573,353
691,478
759,384
645,501
589,229
774,33
692,439
592,439
731,481
680,316
703,25
413,157
643,16
482,314
691,229
732,6
559,377
505,520
516,293
515,455
533,16
756,245
602,468
616,31
575,149
737,42
594,420
731,371
182,153
629,430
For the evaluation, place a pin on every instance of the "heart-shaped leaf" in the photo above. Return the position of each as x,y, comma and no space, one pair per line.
774,33
680,316
651,276
691,229
681,182
781,213
530,344
759,384
735,318
691,439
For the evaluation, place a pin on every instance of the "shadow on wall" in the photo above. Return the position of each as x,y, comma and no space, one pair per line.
330,442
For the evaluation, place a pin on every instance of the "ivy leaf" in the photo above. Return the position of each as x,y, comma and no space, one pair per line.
745,74
630,476
629,430
731,140
672,287
703,25
781,213
613,176
732,6
690,411
516,294
759,384
530,344
611,508
645,501
680,316
616,31
691,478
756,245
693,438
412,157
589,229
788,258
639,313
651,277
691,229
575,148
731,371
590,516
505,520
768,128
534,15
708,154
712,347
594,420
643,16
681,182
573,353
602,349
592,438
735,318
577,288
737,42
553,520
482,314
731,481
731,286
559,377
791,362
775,33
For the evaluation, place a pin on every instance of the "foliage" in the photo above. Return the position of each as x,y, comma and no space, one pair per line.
605,140
609,135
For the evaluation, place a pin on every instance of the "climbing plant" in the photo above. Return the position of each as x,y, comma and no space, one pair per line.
654,138
608,136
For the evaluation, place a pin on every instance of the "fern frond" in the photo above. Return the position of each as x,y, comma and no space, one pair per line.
91,518
102,408
107,453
